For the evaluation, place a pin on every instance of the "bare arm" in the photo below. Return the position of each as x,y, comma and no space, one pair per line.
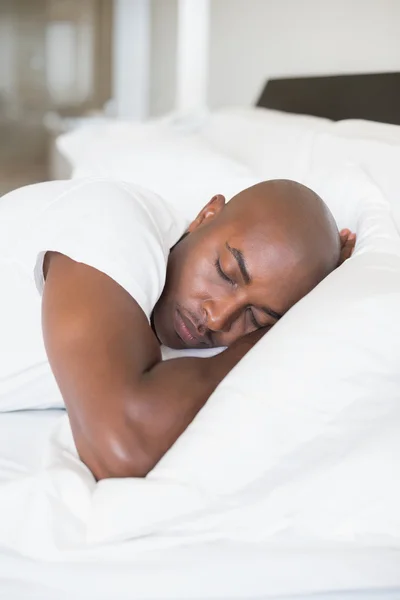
126,407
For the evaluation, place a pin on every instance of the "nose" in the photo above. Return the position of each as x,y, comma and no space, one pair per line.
219,315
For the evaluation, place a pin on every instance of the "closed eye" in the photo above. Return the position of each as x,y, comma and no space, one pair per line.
222,274
253,319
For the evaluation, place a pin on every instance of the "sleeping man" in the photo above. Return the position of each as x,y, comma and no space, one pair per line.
118,275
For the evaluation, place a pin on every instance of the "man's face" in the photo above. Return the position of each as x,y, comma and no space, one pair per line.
224,279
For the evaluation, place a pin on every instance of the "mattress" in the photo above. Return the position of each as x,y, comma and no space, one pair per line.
218,569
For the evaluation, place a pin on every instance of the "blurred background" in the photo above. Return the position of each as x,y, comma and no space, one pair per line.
68,62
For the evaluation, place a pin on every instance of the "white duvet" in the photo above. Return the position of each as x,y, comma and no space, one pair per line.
203,569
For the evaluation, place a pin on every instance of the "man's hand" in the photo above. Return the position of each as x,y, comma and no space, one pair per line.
347,244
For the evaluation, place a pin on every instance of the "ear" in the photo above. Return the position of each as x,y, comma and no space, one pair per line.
209,212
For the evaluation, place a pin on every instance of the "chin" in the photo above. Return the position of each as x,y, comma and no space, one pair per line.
165,337
173,344
161,322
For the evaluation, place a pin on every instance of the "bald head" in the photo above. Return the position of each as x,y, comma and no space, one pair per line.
244,264
297,226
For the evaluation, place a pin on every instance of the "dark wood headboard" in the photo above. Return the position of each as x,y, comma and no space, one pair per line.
375,97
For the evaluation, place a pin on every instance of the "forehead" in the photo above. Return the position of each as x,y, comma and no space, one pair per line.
272,266
262,251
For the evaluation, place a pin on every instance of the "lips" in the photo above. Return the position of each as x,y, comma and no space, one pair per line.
185,329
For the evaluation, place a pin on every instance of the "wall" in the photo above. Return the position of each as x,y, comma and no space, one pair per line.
164,18
252,40
131,56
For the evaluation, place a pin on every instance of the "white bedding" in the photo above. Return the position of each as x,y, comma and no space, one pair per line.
205,570
247,143
35,504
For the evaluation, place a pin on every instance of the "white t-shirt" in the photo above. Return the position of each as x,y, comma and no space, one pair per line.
118,228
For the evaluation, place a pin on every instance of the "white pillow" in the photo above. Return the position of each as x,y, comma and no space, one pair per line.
187,176
275,144
379,159
96,142
302,438
271,143
367,130
375,147
183,169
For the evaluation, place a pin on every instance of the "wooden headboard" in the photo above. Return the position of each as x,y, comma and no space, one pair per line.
375,97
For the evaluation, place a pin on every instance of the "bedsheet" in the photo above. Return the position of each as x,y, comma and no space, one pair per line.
177,569
222,572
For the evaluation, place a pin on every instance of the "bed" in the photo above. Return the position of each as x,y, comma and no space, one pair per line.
210,568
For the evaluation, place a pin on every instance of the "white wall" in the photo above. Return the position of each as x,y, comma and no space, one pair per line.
131,58
192,55
164,20
252,40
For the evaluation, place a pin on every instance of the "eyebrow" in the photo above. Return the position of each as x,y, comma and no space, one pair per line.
238,255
